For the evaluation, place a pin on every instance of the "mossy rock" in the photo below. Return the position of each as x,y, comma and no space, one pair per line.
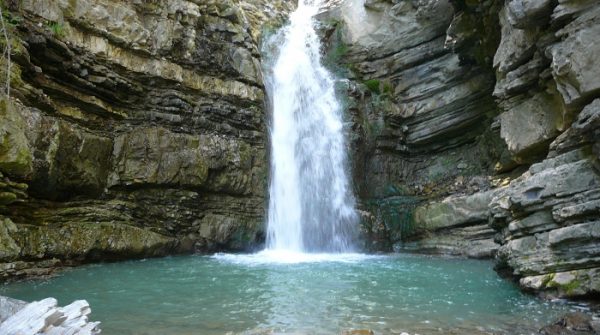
7,198
9,250
15,152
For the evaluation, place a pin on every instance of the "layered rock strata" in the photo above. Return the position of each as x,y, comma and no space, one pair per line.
421,111
475,131
547,218
133,129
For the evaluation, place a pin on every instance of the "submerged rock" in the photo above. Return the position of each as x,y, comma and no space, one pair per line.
573,324
358,332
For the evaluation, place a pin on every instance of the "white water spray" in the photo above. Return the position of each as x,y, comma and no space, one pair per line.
311,206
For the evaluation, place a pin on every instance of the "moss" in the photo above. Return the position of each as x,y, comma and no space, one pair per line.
337,52
397,215
15,154
373,128
571,287
547,279
57,29
388,88
373,85
568,288
7,198
11,18
15,70
151,7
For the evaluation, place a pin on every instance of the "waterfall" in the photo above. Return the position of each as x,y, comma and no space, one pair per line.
311,206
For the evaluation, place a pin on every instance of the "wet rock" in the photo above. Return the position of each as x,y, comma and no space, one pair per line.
419,106
358,332
472,242
572,324
9,249
421,112
571,284
455,226
454,211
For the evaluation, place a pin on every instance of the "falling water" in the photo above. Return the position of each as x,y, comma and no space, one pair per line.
311,206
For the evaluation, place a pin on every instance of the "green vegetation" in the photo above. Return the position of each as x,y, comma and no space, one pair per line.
571,287
337,52
568,288
373,127
380,87
58,30
373,85
7,43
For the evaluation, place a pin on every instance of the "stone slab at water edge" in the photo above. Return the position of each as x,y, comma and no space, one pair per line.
45,317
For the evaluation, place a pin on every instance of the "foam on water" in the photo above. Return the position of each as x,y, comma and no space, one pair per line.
270,256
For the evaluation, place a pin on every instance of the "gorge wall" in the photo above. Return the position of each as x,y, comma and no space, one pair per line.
133,129
476,131
138,128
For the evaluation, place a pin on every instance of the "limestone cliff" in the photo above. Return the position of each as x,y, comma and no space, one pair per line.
476,131
133,129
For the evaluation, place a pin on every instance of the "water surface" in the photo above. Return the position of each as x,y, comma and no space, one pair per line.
296,294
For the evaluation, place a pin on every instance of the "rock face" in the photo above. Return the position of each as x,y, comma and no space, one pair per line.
475,131
548,217
455,226
133,129
422,112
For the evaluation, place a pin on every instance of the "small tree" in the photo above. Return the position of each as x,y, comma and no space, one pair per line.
6,52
